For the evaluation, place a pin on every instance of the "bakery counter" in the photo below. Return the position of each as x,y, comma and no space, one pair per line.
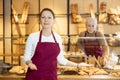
65,77
12,77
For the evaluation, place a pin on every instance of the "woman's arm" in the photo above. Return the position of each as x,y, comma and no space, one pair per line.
105,47
30,47
63,61
104,44
29,51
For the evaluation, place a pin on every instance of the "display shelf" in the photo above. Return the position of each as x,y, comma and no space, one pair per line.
10,55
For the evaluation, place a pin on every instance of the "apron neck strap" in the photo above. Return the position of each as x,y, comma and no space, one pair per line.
54,38
41,37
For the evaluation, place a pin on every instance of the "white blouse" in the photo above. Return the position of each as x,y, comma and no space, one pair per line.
32,42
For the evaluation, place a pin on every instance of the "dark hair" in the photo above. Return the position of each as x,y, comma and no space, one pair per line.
47,9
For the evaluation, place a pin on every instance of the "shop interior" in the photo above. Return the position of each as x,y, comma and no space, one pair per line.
19,18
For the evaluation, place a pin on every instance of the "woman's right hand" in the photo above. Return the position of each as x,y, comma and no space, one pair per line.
32,66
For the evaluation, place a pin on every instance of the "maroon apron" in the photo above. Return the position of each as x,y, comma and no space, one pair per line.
45,58
92,47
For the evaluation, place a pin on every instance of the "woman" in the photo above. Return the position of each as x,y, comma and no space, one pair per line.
43,50
92,45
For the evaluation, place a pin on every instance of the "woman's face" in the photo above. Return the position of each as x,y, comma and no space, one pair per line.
90,28
47,19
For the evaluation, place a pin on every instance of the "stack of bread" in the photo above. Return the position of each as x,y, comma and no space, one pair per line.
91,71
18,69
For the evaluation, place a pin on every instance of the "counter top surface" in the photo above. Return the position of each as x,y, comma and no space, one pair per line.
69,77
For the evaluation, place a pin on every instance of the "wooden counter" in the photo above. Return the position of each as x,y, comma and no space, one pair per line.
65,77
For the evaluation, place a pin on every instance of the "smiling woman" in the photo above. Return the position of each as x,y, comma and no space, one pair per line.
44,49
47,19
